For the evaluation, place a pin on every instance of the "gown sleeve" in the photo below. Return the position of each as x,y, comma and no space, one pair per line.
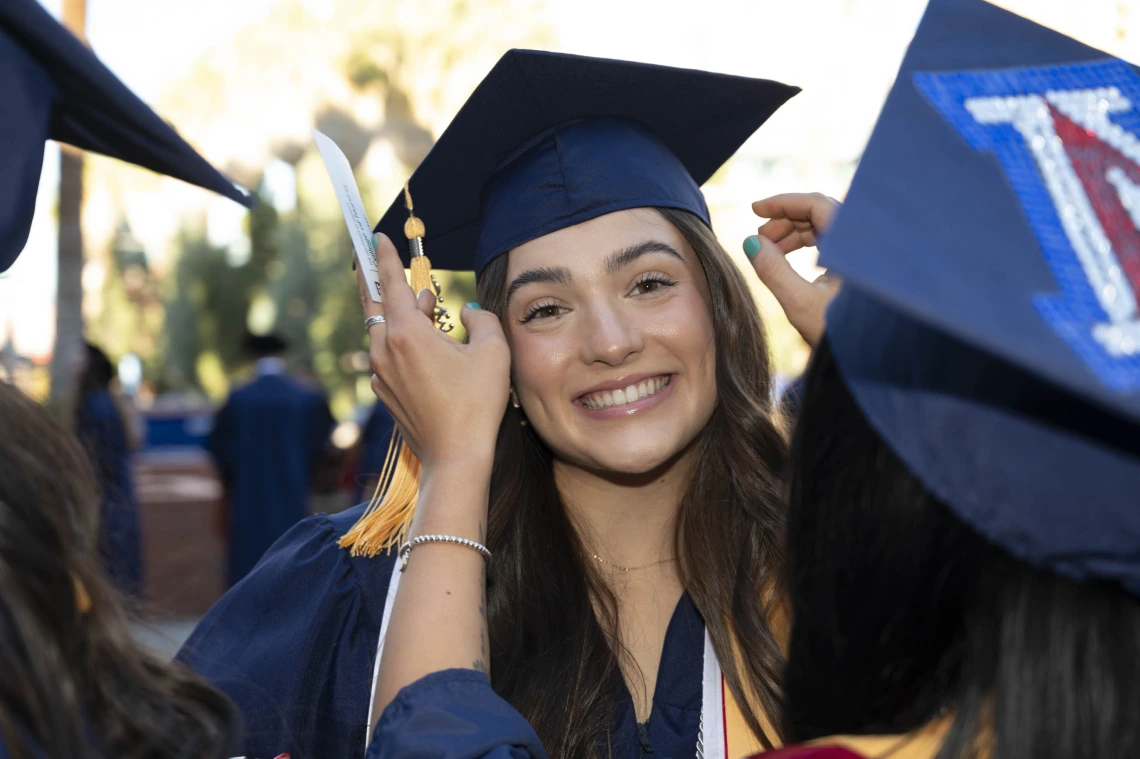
453,714
292,644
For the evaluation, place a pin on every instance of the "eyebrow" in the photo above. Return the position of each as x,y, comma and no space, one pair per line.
626,256
558,275
614,262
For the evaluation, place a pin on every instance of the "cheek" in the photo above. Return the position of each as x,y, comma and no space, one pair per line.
539,363
684,327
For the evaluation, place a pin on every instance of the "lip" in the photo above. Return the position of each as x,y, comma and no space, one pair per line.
621,383
629,409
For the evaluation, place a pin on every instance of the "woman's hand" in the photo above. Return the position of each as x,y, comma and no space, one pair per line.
795,220
447,397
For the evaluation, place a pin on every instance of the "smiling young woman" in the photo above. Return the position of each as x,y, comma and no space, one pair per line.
599,520
685,474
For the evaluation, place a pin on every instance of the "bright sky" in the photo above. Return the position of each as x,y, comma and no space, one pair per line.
842,52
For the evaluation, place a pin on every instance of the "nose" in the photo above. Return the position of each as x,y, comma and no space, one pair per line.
610,335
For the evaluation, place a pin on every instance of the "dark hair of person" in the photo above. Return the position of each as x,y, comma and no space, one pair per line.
902,613
74,682
98,371
553,620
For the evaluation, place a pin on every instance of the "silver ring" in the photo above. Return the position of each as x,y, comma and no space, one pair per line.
373,320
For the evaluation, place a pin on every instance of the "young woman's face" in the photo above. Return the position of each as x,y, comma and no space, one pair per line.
612,341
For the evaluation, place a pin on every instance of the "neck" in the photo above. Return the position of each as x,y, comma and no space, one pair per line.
269,365
626,520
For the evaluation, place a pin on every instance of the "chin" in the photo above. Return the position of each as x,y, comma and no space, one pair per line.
644,463
633,460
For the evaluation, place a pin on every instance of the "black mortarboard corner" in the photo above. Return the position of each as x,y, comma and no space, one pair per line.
259,346
549,140
990,244
53,87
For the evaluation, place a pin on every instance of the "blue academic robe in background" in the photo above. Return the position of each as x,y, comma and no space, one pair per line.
102,431
374,441
294,646
265,442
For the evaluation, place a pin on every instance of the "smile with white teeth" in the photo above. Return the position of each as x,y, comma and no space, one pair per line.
609,398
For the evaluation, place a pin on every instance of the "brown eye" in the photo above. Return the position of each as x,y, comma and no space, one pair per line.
651,284
542,311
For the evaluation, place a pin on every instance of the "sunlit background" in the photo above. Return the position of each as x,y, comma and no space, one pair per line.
172,275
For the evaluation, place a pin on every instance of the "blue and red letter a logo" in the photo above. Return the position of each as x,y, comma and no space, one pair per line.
1068,139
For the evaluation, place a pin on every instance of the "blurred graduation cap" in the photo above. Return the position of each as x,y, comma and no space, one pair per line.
550,140
260,346
547,141
990,244
53,87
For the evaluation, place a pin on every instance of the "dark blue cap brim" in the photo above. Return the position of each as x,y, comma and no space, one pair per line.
701,117
1051,478
55,88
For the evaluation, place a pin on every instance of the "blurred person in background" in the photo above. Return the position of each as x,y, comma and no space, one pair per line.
375,439
73,683
104,425
266,442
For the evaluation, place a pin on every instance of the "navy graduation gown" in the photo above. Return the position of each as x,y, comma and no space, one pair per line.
455,713
265,442
294,644
101,429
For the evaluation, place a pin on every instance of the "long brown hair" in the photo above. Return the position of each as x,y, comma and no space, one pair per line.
552,618
74,682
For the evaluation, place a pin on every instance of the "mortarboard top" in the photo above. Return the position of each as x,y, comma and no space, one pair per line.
549,140
55,88
988,326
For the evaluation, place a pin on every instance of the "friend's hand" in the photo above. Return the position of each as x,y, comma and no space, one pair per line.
795,220
447,397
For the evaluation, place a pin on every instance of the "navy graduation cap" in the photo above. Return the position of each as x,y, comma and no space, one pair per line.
550,140
54,87
989,325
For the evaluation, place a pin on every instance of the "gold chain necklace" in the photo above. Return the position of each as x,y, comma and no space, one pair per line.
620,568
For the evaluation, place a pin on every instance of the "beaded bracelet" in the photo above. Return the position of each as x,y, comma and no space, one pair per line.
406,549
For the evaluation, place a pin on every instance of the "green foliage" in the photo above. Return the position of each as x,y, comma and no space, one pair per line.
415,58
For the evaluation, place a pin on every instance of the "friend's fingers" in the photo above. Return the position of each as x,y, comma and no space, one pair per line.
812,207
777,274
793,241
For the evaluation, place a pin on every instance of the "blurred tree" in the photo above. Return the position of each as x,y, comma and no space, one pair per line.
372,75
208,307
69,292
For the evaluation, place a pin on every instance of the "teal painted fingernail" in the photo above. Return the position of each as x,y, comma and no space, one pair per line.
475,306
375,241
751,246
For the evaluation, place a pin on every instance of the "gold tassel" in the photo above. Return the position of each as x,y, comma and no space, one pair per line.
385,523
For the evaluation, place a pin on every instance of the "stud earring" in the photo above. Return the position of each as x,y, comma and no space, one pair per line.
515,403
